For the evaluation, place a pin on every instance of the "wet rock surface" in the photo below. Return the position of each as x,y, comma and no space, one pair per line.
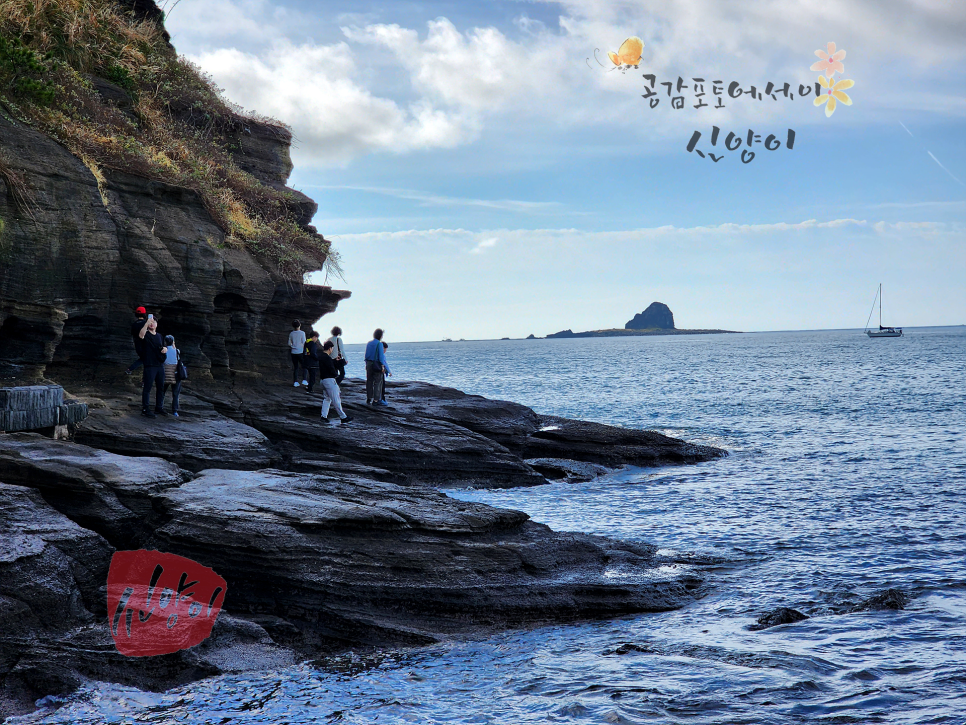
330,537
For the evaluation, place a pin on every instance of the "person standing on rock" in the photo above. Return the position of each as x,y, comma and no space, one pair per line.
296,346
375,369
385,349
140,315
313,354
330,388
171,379
337,353
153,353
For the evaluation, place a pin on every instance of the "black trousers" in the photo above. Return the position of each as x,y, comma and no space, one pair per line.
313,374
152,376
340,370
297,366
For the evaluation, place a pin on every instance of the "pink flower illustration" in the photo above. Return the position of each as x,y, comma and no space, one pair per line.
831,61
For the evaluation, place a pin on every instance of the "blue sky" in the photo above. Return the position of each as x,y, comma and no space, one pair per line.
483,176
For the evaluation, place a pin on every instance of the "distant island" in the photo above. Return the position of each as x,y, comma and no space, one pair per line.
657,319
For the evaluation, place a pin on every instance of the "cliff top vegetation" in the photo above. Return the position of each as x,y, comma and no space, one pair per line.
177,127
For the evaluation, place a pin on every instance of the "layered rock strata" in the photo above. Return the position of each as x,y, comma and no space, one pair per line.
79,251
315,561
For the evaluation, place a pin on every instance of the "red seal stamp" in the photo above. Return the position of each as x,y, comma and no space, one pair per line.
160,603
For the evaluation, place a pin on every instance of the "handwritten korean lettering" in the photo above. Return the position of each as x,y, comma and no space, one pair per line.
719,91
177,601
733,142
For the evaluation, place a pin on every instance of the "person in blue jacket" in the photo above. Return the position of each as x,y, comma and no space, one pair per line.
375,369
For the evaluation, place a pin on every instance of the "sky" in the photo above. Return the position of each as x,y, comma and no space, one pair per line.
484,170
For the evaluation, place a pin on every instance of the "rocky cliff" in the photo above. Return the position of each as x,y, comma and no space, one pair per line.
107,204
78,255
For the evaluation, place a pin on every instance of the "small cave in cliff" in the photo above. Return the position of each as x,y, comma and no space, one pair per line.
83,339
11,339
230,336
186,324
22,342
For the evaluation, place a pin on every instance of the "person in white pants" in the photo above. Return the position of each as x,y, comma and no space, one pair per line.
330,389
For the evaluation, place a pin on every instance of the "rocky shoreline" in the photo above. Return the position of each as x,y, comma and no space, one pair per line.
329,537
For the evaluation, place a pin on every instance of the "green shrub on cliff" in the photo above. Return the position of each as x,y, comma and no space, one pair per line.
177,127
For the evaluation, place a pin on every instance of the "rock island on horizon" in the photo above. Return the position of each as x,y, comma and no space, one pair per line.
657,319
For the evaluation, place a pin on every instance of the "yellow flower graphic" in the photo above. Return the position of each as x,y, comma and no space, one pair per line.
832,93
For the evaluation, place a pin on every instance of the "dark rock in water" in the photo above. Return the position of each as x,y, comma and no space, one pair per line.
889,599
781,615
562,469
657,316
531,336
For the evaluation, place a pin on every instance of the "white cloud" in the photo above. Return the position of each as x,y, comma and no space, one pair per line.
335,119
436,283
390,88
425,199
484,244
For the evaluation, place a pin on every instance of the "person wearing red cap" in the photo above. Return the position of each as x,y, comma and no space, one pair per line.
136,327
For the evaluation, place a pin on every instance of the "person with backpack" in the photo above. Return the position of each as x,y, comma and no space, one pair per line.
172,375
310,359
330,388
296,346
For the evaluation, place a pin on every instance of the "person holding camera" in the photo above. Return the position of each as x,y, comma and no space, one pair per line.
140,315
154,354
337,353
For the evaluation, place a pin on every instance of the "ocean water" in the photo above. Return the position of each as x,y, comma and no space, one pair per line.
847,475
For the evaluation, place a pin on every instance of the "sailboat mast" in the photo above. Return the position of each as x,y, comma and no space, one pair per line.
880,305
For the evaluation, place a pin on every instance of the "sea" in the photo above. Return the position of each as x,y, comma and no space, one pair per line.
846,477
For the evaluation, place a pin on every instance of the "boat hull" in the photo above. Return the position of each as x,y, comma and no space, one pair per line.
884,333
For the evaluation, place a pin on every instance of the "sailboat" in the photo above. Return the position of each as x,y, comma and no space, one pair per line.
882,331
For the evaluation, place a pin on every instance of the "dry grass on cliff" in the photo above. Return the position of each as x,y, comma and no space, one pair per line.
179,129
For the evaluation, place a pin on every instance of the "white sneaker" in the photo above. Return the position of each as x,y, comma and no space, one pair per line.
305,382
295,384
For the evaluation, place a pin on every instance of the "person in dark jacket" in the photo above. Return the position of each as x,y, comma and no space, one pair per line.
153,354
313,353
328,375
140,315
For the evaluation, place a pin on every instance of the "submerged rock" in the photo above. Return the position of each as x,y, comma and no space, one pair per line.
894,599
780,615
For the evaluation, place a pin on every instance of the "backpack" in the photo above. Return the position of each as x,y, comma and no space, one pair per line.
307,354
180,372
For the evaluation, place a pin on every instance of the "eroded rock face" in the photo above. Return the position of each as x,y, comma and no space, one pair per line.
315,562
657,316
331,559
76,258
